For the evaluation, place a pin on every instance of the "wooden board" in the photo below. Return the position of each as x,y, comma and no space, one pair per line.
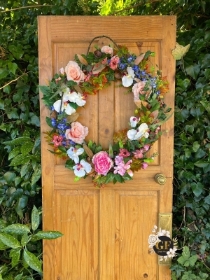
105,231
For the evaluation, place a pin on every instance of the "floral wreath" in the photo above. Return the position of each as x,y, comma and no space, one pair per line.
154,239
88,74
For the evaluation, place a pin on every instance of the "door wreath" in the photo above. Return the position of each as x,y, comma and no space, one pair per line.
88,74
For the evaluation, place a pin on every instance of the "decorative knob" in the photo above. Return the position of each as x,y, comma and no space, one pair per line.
160,178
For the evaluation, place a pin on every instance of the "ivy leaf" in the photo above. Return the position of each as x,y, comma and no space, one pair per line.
32,261
193,71
196,146
179,51
197,188
201,163
192,260
12,67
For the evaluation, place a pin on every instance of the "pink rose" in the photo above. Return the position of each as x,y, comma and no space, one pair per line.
102,163
73,72
144,165
137,89
146,147
107,50
57,140
114,62
77,133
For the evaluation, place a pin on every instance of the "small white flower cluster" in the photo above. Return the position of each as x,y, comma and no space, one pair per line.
154,239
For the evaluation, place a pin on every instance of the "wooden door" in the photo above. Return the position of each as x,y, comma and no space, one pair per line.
105,230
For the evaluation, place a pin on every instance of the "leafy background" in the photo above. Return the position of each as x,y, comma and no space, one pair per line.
20,185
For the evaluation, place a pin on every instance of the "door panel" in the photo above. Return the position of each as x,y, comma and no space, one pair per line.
105,230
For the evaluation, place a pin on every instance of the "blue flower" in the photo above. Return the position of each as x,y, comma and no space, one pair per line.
53,122
122,66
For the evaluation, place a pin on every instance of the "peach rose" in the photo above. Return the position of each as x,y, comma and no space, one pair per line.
74,72
137,89
107,50
77,132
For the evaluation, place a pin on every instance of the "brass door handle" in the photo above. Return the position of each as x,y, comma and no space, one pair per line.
160,178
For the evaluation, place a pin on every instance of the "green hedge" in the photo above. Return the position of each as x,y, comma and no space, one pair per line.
19,114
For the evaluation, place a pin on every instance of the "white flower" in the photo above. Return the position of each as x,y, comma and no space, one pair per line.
163,232
152,240
74,153
172,252
80,169
65,104
141,131
62,71
69,97
154,228
134,121
77,98
127,80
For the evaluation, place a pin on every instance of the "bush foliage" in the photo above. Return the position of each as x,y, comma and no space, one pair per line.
20,173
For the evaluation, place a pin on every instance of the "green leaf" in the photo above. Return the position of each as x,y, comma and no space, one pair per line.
9,176
15,255
21,204
18,141
35,219
16,229
20,160
193,71
14,152
19,277
32,261
49,121
207,199
45,90
201,163
9,240
197,188
26,148
12,67
24,240
47,235
34,120
3,73
36,175
13,114
192,260
24,169
16,50
196,146
186,252
2,246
